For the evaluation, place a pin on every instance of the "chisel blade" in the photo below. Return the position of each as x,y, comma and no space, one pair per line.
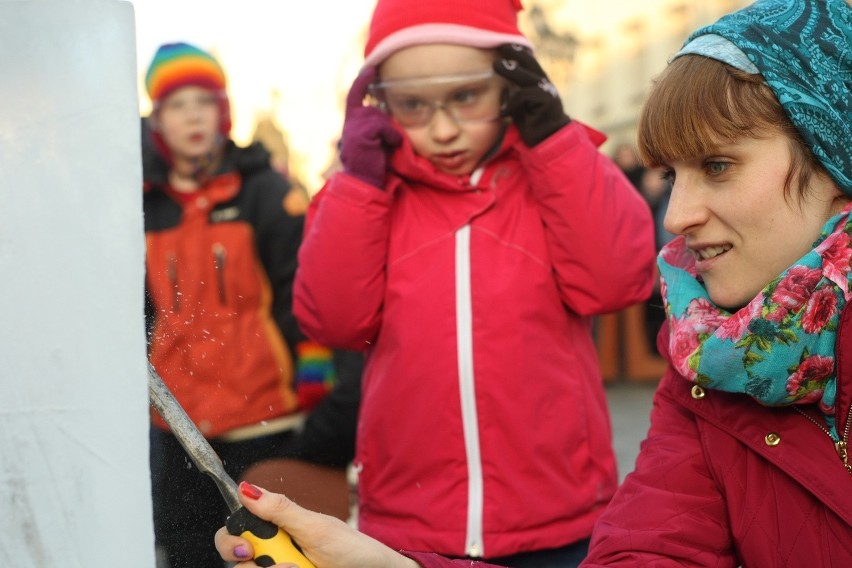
197,447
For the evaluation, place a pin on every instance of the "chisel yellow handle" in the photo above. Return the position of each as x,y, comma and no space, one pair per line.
271,544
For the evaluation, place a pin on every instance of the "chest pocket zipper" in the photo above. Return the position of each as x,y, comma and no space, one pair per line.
219,258
171,271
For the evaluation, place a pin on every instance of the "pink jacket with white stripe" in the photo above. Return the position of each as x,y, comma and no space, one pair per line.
483,429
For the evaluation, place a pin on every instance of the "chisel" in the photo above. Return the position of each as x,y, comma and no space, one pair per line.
271,544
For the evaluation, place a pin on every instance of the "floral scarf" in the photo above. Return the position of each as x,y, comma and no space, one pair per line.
780,347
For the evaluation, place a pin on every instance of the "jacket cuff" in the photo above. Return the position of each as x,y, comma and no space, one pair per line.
432,560
355,190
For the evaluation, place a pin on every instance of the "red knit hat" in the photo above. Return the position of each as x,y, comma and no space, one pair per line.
397,24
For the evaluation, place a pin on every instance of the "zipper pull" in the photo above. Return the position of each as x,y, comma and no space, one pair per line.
219,255
173,278
843,452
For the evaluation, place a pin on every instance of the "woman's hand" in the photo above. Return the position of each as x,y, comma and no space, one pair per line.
326,541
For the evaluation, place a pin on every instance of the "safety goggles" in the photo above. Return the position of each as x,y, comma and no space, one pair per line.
466,98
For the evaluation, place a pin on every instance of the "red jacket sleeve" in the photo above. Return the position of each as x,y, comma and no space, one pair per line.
342,264
669,511
431,560
599,228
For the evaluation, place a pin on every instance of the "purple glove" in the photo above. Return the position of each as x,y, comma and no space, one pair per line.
532,102
369,137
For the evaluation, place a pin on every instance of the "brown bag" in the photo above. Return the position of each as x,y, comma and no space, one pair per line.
316,487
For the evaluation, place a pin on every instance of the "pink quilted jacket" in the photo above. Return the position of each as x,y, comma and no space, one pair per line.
483,428
722,481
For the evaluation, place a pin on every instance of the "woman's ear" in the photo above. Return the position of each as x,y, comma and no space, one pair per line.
841,200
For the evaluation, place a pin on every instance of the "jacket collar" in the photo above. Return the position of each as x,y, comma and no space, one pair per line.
416,170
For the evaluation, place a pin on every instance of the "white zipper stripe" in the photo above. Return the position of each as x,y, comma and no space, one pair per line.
464,333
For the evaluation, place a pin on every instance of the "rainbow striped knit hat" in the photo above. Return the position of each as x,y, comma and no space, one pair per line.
177,65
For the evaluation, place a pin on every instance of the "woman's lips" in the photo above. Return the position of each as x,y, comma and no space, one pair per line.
708,252
707,256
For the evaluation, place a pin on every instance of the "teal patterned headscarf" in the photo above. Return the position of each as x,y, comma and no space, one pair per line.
803,50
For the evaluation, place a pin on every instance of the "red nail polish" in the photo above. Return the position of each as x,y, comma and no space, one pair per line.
250,490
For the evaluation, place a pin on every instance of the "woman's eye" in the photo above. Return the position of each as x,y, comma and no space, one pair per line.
668,175
716,168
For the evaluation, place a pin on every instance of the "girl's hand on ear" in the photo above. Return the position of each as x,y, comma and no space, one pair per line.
533,102
369,136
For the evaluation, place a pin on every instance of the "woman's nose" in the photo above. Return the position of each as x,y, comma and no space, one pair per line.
686,208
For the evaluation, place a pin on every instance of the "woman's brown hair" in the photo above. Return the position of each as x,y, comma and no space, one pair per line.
697,104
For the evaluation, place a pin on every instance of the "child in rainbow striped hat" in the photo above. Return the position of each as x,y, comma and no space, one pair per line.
182,77
221,257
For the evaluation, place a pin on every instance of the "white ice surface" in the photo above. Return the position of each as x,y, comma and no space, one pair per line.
74,476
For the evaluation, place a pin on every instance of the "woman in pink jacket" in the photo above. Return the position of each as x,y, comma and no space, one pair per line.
746,460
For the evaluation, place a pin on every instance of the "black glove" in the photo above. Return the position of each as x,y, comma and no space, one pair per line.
534,104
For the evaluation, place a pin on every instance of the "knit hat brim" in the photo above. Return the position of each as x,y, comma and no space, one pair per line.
441,34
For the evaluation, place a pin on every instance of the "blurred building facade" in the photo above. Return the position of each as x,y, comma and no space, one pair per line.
603,66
